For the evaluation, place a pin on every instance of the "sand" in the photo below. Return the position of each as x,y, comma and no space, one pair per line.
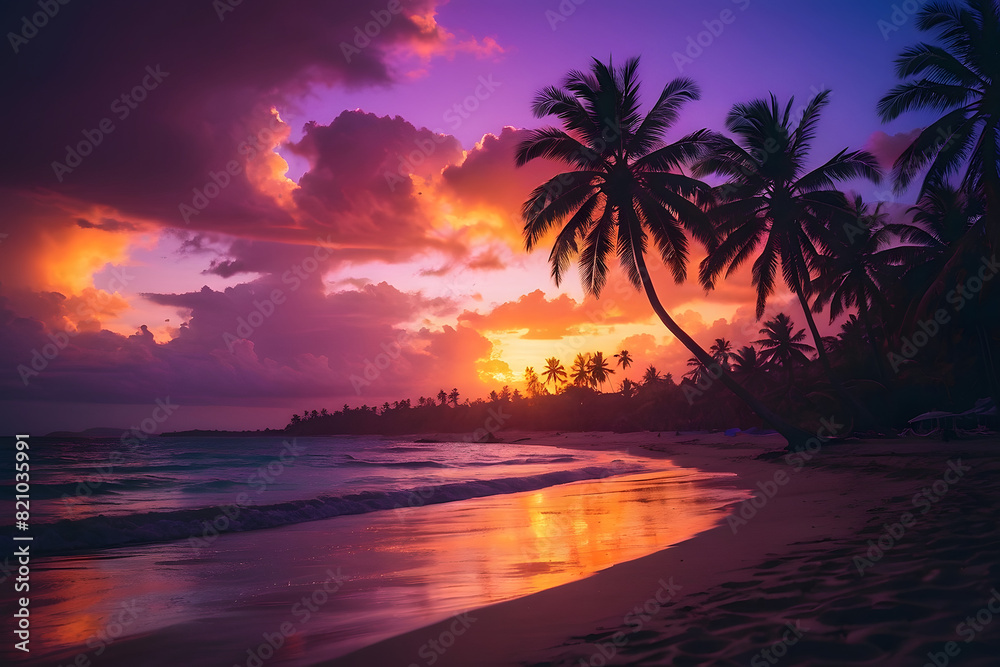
799,579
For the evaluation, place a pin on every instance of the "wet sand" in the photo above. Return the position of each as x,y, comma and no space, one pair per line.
318,590
795,577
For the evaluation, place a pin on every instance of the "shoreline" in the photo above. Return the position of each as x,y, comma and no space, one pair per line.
816,516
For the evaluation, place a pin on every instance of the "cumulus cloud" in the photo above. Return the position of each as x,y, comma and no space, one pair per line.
258,340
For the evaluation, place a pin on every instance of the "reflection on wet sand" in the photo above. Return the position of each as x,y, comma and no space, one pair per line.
403,568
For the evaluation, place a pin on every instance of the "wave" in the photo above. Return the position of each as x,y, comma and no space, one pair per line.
201,525
89,485
539,460
353,462
212,485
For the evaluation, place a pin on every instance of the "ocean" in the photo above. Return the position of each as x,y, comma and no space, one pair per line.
289,551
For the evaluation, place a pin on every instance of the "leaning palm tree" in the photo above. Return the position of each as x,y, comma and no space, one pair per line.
623,191
783,346
579,372
600,370
773,206
554,372
957,76
624,359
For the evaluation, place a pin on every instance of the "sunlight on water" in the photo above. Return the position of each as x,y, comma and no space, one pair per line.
403,569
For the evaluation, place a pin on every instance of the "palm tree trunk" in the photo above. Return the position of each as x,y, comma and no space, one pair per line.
879,362
795,436
824,360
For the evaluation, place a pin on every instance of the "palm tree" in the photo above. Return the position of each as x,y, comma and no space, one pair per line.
955,77
579,372
651,376
750,368
622,192
453,397
624,359
600,371
781,346
721,351
628,388
554,372
698,370
442,397
773,205
944,219
856,269
535,386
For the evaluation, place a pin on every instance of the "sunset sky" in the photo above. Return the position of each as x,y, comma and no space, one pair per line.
371,188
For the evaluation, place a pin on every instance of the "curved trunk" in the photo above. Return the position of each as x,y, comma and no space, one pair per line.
795,436
863,412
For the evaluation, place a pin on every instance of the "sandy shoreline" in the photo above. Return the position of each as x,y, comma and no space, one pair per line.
784,578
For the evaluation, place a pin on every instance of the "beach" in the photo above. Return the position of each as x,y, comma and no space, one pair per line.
846,562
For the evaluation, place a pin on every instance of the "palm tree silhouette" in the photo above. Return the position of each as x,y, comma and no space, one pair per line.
956,77
453,397
579,372
856,268
750,368
622,192
698,370
600,370
721,351
944,220
554,372
773,205
782,347
651,376
442,397
624,359
534,386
